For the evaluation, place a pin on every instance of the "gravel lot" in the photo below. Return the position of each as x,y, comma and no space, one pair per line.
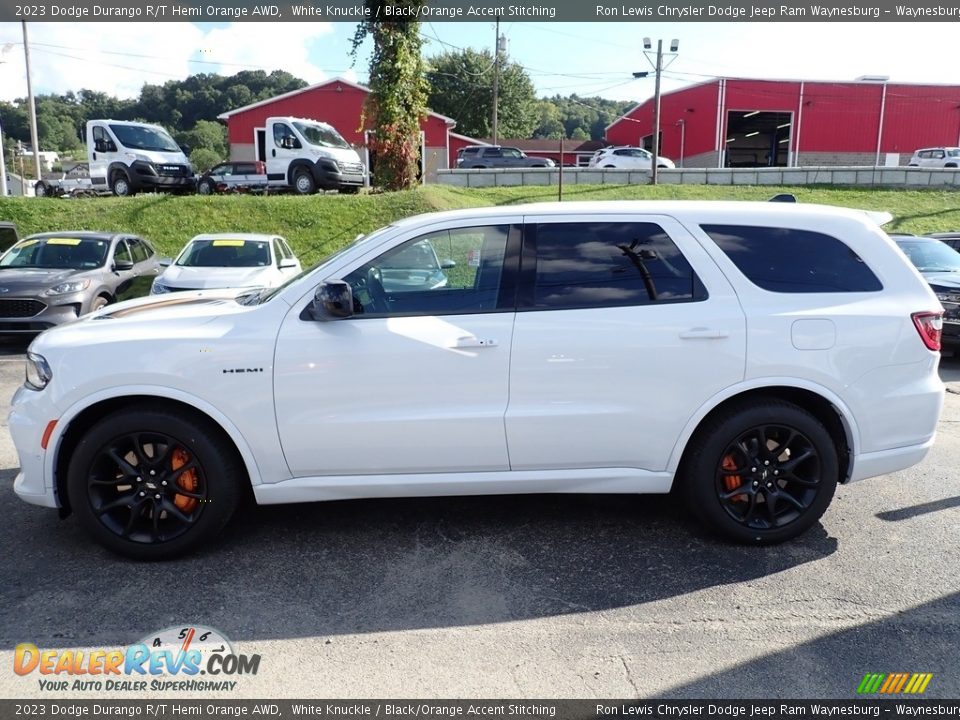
597,596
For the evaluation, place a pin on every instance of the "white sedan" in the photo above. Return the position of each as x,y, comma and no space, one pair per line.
627,158
229,260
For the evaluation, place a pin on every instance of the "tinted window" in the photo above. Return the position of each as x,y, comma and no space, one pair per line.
793,261
582,265
137,249
122,253
446,272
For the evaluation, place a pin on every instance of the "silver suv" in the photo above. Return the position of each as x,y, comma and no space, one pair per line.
479,157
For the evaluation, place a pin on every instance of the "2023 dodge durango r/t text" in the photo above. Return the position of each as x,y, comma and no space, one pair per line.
752,355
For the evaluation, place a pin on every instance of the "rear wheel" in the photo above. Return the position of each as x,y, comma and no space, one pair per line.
762,472
205,187
153,483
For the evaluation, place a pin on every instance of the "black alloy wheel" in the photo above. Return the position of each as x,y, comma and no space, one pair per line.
155,483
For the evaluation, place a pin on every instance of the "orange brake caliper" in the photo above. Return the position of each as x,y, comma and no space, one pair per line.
187,480
732,482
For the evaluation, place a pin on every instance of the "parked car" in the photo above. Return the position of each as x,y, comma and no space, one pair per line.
627,157
233,176
945,157
751,355
51,278
479,157
940,266
76,181
229,260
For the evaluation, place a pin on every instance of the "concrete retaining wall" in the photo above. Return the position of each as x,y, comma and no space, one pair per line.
903,177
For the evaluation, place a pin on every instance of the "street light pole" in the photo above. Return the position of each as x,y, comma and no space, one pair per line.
658,69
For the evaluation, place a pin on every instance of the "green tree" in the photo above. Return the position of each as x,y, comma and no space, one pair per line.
398,92
203,159
549,121
461,86
205,135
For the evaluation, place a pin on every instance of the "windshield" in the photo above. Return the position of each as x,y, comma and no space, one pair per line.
931,256
59,252
322,135
142,137
225,253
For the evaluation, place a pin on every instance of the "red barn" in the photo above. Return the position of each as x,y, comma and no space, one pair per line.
735,122
339,103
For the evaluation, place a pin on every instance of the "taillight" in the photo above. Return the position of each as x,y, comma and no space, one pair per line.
930,327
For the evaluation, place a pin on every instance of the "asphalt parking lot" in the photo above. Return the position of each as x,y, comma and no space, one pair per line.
597,596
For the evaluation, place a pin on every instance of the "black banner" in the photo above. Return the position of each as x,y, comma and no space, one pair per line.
173,709
477,10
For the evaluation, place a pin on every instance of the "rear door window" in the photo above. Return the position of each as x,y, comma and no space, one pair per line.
787,260
607,264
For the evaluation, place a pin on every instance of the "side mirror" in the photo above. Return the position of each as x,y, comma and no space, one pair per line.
120,265
447,263
165,262
100,145
332,301
287,263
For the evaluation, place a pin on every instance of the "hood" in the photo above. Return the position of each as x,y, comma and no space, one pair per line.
23,280
946,280
202,278
158,157
339,154
203,305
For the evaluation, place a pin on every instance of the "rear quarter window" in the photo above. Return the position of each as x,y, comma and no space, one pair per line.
787,260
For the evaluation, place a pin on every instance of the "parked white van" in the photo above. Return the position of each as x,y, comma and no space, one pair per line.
308,155
751,355
130,157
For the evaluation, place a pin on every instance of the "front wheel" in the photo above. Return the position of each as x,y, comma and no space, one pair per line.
121,186
206,187
42,189
153,483
304,183
761,473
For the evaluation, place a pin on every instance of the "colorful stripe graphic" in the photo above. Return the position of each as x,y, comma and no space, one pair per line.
894,683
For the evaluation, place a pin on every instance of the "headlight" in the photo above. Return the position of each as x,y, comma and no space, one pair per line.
158,288
68,287
38,371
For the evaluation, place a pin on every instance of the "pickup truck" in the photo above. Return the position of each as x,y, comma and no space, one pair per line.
245,176
74,182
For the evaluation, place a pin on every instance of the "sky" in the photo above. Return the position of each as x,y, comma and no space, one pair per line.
588,59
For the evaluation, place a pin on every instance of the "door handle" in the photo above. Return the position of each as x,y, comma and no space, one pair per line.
471,341
704,333
274,152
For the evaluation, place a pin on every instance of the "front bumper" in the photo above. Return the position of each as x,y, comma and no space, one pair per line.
28,417
148,176
36,314
328,174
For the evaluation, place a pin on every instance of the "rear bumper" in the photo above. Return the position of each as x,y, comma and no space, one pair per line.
870,465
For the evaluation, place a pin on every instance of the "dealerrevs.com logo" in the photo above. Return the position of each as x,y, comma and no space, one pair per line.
177,659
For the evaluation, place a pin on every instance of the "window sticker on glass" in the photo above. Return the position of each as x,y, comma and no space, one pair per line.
228,243
473,257
63,241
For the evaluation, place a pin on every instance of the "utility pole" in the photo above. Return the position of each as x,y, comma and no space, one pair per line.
658,69
496,77
3,167
33,108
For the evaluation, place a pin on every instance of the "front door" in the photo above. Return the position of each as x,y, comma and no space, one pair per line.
284,146
417,380
618,341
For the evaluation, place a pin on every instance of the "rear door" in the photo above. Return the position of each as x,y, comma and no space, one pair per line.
625,327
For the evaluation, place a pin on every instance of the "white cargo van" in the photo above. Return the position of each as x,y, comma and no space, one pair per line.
129,157
307,155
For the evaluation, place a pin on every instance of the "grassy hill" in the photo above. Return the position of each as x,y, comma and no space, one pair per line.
319,224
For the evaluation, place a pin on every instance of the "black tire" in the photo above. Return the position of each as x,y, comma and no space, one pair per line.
120,184
180,508
303,182
206,187
752,491
99,302
610,166
42,189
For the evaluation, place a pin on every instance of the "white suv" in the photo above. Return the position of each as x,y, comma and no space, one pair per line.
752,355
941,157
627,158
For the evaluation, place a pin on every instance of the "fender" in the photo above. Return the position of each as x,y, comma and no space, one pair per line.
849,424
160,392
122,168
295,165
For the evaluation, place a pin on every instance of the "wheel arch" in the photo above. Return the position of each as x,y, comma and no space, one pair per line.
817,400
68,431
294,168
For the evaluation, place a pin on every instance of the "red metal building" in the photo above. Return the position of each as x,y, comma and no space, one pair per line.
735,122
339,103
